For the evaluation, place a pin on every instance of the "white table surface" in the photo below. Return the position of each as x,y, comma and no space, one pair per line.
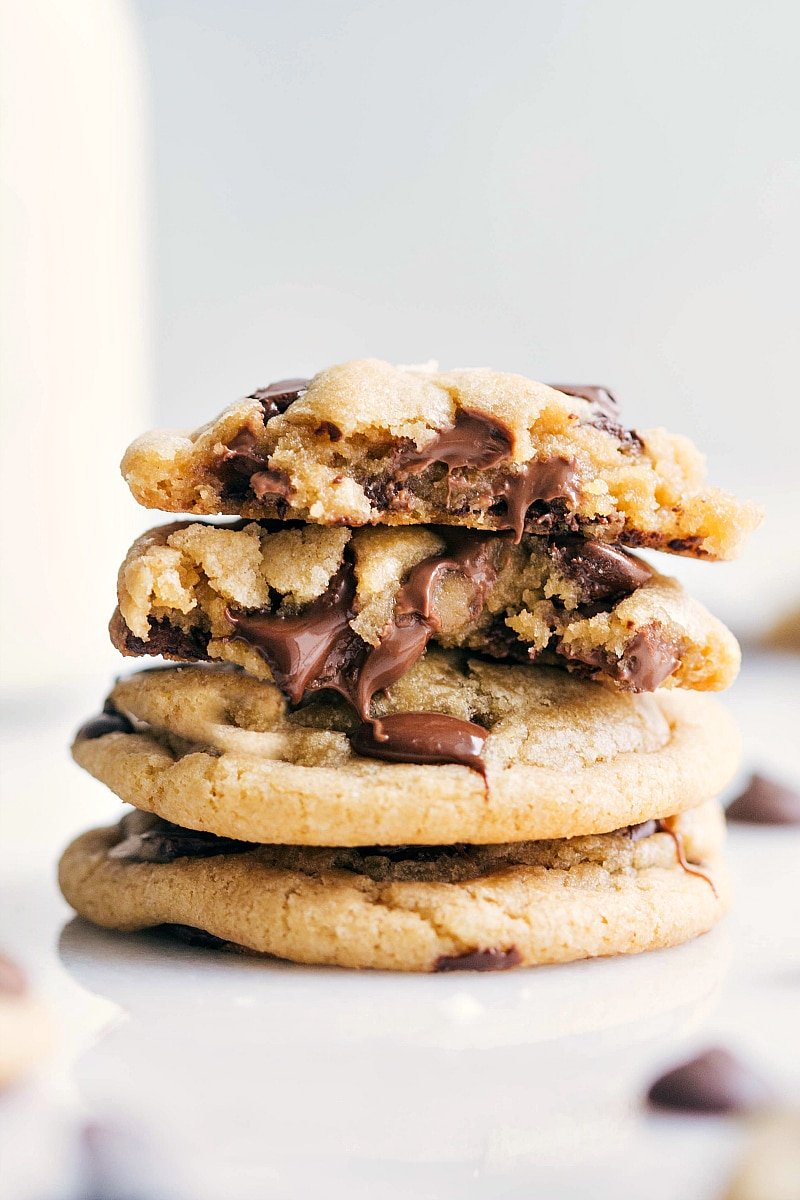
209,1076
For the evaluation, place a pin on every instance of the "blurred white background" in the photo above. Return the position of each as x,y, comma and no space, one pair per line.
602,190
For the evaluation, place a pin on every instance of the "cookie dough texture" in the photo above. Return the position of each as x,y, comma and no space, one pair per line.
179,581
539,902
332,458
217,750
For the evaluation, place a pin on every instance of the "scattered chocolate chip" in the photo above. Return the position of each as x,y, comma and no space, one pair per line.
765,801
109,721
713,1082
276,397
493,959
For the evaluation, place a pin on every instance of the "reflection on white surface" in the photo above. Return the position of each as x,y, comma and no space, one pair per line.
241,1079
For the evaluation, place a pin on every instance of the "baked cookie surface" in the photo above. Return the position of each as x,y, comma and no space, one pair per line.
368,443
213,748
414,909
247,593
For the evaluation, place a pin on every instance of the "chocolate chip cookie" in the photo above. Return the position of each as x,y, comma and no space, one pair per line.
411,908
472,752
368,443
314,607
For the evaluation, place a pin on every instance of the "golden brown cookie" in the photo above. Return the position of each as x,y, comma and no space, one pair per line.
411,909
367,443
247,593
213,748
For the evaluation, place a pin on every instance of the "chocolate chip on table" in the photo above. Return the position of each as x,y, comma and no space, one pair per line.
713,1082
765,801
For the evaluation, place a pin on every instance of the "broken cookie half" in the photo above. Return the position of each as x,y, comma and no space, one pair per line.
314,607
366,443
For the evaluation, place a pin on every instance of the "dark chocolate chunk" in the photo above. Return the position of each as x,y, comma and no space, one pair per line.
765,801
148,839
190,935
12,979
598,396
111,720
270,483
493,959
474,440
600,571
647,661
713,1082
276,397
165,639
422,737
328,427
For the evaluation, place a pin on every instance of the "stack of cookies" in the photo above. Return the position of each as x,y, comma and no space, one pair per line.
432,714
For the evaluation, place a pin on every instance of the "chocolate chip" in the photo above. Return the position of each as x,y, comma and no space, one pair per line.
165,639
765,801
474,440
492,959
190,935
600,571
276,397
109,721
422,737
598,396
148,839
713,1082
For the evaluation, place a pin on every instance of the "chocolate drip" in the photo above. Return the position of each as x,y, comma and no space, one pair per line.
315,648
276,397
474,440
665,826
601,572
111,720
148,839
423,737
493,959
548,480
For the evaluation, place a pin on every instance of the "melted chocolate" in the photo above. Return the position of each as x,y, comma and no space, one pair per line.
493,959
475,440
148,839
276,397
111,720
553,479
317,648
713,1082
190,935
422,737
270,483
601,572
665,826
311,650
766,802
647,661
